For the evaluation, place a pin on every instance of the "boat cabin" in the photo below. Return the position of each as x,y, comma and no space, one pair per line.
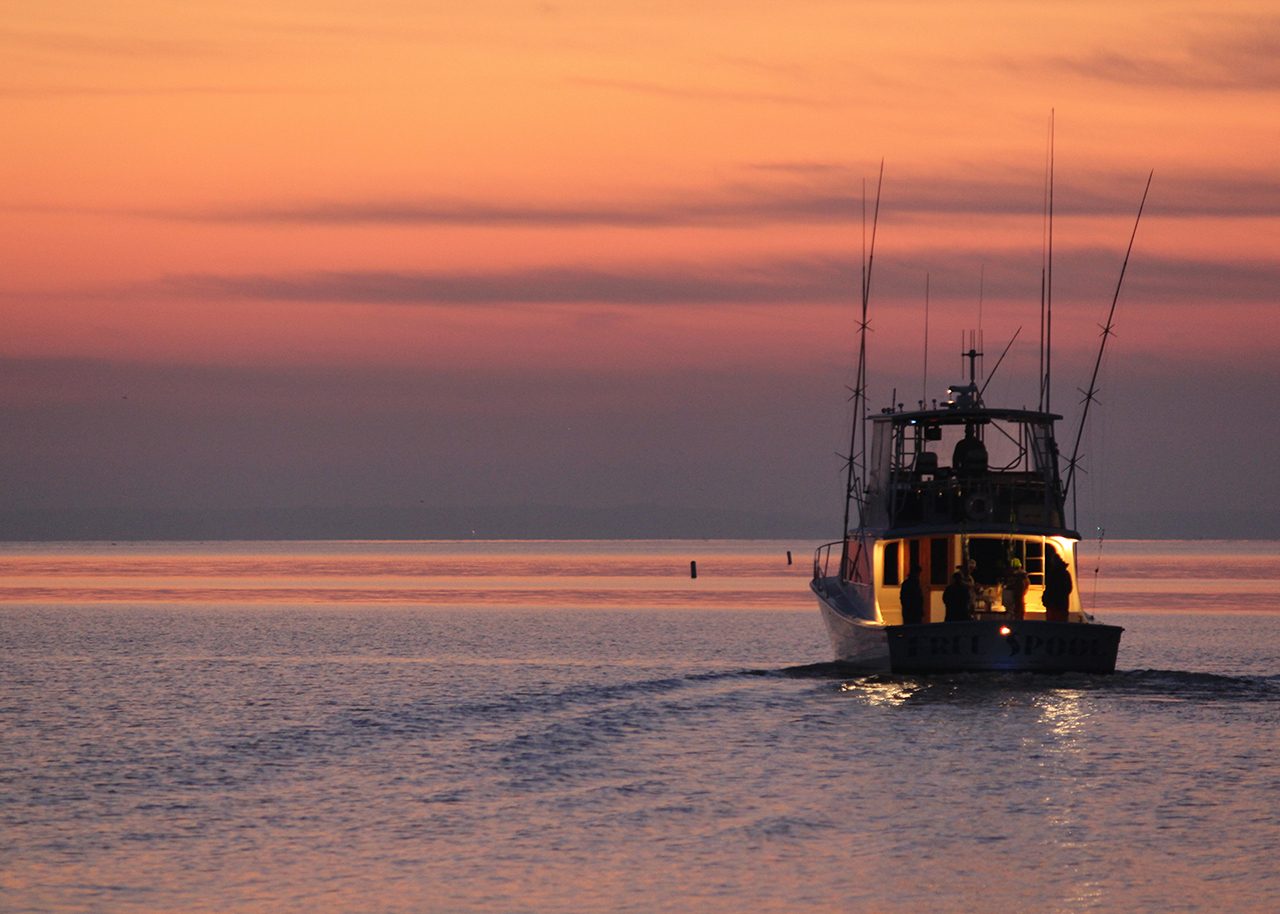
963,466
961,487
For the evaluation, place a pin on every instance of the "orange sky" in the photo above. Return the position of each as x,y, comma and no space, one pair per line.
513,193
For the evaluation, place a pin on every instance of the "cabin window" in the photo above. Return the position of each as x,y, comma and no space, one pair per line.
1034,561
938,564
891,574
994,555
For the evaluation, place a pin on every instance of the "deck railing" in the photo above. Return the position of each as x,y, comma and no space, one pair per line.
822,559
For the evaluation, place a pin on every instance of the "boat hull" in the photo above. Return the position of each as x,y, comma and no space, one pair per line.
1031,646
857,637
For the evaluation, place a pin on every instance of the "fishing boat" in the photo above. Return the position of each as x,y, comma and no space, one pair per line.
963,557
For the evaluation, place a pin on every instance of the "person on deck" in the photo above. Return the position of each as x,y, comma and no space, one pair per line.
912,597
967,572
956,598
1057,588
1014,595
969,458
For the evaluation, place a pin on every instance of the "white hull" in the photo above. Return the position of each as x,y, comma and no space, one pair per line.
857,636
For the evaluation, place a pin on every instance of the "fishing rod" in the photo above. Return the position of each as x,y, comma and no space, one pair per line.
1048,281
1107,332
853,483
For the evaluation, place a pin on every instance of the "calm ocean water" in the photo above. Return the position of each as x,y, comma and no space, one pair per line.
578,726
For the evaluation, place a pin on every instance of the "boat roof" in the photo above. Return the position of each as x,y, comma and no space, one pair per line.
970,528
962,414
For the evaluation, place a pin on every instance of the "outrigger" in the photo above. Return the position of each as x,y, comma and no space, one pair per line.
959,493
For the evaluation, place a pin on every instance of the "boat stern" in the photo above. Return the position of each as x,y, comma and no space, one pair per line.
1031,646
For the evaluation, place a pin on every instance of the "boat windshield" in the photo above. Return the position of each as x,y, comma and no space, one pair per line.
943,468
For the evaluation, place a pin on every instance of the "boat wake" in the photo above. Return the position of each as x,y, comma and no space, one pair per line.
1178,684
1150,684
835,669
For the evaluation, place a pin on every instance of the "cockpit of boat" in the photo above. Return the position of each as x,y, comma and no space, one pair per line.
964,464
983,559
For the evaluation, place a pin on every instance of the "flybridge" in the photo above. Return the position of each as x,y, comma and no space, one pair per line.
958,416
965,464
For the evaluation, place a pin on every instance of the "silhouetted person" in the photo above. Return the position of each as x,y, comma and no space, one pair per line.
967,572
1014,594
1057,588
912,598
956,598
969,458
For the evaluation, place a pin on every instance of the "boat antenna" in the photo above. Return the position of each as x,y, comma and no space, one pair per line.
1108,331
857,443
982,282
1007,347
924,386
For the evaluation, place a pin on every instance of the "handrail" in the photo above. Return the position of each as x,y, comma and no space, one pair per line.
822,558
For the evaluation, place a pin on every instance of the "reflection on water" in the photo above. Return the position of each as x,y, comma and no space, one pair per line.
1064,712
1049,689
886,692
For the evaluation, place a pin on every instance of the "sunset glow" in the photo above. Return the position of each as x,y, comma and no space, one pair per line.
589,255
